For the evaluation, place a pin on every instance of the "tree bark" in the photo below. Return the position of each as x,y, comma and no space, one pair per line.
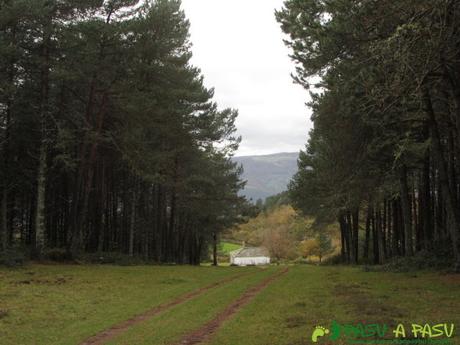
3,219
350,242
381,255
406,208
447,191
39,242
343,230
425,211
367,235
375,238
355,218
214,249
132,222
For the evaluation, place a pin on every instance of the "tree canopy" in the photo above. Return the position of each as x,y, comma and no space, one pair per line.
110,142
385,83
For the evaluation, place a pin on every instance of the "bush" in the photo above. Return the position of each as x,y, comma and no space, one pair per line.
300,261
423,260
333,260
223,258
112,258
12,257
57,254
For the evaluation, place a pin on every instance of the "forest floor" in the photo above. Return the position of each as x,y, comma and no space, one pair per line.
153,305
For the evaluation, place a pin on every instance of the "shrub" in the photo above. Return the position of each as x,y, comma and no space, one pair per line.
300,261
112,258
333,260
57,254
12,257
423,260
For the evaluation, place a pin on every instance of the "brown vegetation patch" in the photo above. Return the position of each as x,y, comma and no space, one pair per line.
303,341
296,321
451,278
3,313
38,281
300,305
372,308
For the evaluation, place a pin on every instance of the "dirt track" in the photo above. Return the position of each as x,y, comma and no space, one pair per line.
207,330
110,333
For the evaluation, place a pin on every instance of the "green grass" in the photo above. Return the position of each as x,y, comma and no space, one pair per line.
225,248
310,295
169,327
66,304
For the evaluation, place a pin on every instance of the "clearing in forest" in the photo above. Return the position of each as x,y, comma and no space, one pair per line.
216,306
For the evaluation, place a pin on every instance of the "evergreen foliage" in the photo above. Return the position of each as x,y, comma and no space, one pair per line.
109,141
385,146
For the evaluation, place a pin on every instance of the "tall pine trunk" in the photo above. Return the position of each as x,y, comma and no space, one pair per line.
447,191
214,249
39,242
367,235
380,237
132,224
406,208
355,229
3,219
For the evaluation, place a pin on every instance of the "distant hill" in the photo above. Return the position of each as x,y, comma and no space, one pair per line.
267,175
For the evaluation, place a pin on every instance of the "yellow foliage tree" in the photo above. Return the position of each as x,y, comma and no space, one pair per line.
318,246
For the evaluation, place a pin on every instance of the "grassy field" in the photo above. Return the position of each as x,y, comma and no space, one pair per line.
170,326
310,296
225,248
66,304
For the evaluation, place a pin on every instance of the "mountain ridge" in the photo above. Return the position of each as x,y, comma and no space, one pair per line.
267,175
268,154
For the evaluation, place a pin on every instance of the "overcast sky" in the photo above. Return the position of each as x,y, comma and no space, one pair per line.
238,46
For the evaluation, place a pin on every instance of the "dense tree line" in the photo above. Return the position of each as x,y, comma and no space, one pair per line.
109,141
383,157
276,200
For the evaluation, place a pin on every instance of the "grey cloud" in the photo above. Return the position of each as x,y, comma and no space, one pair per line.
238,46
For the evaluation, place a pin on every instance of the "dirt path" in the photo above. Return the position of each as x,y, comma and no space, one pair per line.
115,330
207,330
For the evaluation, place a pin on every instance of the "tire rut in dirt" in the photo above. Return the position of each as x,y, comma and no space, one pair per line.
205,332
115,330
